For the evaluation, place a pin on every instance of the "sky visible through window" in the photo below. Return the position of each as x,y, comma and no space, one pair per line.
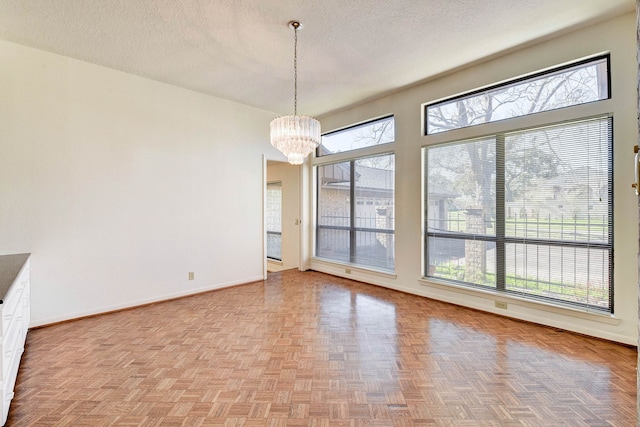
366,135
579,84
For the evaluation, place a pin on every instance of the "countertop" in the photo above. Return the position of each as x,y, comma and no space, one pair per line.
10,266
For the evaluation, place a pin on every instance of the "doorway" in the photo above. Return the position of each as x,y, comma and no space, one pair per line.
283,227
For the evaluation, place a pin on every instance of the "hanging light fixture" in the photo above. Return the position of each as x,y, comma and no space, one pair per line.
295,136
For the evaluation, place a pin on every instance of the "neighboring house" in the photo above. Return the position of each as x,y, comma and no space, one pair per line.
373,192
577,194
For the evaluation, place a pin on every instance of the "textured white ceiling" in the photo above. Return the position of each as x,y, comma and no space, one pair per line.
242,50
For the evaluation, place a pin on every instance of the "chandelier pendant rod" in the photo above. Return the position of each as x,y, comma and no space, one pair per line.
295,25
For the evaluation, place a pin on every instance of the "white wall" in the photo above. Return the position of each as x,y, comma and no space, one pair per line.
616,36
289,175
119,186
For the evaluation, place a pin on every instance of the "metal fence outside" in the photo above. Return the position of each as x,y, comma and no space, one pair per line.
366,243
565,258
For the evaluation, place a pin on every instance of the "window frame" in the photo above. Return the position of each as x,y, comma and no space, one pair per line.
523,78
501,240
275,233
318,154
584,111
351,156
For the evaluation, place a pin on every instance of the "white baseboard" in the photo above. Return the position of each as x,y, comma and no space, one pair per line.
132,304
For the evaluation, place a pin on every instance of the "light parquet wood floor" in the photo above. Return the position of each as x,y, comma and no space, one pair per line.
308,349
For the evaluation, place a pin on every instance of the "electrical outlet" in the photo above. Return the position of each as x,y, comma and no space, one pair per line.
347,270
501,304
191,275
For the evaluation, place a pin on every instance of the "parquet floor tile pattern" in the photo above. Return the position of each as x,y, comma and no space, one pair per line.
309,349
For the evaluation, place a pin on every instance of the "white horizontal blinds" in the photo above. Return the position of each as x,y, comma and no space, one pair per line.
374,211
586,81
527,212
377,132
558,212
461,177
461,207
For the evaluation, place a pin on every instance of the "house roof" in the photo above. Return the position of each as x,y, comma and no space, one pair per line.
368,178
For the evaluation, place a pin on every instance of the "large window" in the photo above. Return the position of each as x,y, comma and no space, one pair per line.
527,212
274,220
355,201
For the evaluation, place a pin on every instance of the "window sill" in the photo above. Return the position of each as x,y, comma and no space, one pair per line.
274,261
559,308
354,268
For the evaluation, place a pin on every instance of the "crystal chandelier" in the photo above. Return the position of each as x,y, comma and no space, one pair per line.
295,136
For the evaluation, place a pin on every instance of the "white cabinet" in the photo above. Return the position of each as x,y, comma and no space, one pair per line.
15,313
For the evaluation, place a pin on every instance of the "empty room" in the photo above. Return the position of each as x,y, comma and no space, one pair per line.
297,213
